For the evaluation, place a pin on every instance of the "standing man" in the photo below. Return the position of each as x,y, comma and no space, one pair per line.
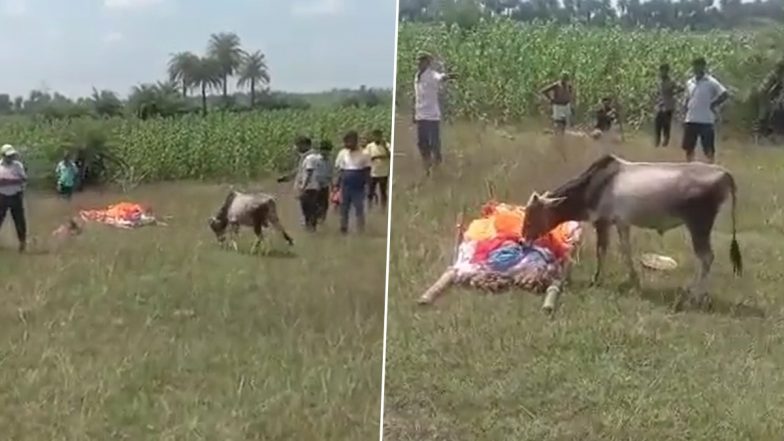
427,110
302,145
771,93
12,181
704,94
665,106
379,152
66,173
561,97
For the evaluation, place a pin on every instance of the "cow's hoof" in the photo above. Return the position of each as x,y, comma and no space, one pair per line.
703,301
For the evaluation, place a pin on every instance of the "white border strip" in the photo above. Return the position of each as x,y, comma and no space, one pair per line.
389,224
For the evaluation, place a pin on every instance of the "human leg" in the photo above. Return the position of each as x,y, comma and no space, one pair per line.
689,142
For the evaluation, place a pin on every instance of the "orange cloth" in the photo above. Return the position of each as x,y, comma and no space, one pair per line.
480,229
121,211
505,222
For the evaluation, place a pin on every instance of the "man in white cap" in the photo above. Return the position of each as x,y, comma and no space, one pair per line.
12,181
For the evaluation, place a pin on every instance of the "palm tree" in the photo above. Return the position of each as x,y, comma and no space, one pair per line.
253,71
181,69
207,75
225,49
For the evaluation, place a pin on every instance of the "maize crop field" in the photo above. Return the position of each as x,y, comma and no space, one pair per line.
502,65
219,145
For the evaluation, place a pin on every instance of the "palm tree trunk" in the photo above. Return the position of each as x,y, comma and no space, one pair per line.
252,93
225,86
184,89
204,98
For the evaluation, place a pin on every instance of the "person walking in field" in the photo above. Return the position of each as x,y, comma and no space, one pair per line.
560,95
310,180
665,106
326,185
379,153
352,165
704,94
301,146
427,110
66,173
12,183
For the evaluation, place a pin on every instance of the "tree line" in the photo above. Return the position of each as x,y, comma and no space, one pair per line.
693,15
191,80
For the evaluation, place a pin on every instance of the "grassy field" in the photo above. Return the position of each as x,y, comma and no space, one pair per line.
612,364
159,334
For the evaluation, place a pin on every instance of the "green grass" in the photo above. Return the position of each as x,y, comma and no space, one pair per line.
159,334
612,364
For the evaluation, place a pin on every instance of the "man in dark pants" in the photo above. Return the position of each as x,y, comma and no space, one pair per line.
427,110
665,105
326,185
704,94
12,181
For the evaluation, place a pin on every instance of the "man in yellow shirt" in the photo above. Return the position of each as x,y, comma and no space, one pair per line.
380,156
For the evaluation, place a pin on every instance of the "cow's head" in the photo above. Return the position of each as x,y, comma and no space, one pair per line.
218,227
540,216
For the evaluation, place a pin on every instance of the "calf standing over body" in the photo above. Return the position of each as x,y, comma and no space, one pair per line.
657,196
256,210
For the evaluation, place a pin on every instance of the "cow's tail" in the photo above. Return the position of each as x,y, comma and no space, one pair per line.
735,257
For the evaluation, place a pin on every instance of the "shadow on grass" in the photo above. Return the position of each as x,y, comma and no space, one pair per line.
675,299
28,252
672,297
273,253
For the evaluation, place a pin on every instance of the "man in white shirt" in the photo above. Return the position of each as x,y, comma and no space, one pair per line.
12,181
353,169
427,110
309,182
703,95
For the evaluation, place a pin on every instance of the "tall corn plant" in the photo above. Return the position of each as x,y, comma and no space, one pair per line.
503,63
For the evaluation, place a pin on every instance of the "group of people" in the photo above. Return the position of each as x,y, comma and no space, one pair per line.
13,180
358,174
703,95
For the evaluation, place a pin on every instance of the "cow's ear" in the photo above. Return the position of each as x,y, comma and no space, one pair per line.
534,199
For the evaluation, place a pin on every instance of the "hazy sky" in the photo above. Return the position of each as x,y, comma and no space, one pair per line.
70,46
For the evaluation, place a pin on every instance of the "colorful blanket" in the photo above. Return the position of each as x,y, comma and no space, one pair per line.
122,215
493,256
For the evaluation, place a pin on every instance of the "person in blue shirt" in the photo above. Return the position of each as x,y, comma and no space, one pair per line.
66,172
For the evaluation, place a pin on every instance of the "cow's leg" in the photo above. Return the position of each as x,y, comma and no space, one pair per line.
624,236
257,228
700,230
275,222
602,241
234,232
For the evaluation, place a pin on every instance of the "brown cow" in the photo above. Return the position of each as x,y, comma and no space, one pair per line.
256,210
657,196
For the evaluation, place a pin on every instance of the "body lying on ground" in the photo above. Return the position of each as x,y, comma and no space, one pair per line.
256,210
657,196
